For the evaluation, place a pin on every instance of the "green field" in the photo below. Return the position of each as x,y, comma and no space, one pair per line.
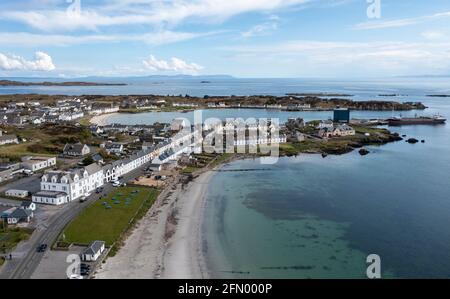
107,218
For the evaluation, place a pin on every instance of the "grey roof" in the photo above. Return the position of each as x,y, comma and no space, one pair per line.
58,174
26,204
50,194
20,214
93,168
113,145
97,157
8,137
345,127
94,248
77,147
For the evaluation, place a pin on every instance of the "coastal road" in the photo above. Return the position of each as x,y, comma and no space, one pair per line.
22,267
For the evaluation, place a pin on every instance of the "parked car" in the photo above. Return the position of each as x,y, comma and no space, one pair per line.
42,248
27,172
116,184
83,199
75,276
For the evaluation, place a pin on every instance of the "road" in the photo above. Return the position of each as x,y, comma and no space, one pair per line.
23,267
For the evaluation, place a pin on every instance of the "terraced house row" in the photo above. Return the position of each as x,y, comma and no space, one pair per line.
61,187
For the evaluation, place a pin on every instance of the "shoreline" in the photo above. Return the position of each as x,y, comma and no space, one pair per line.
167,242
102,119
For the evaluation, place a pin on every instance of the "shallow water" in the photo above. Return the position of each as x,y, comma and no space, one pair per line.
315,217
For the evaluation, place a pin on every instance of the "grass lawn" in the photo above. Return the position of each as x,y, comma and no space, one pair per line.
11,237
108,221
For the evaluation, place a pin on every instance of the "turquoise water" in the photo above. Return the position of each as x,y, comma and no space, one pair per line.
310,217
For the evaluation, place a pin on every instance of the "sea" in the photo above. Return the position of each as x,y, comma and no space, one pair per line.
314,217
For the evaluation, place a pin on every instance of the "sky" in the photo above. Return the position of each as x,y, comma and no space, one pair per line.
242,38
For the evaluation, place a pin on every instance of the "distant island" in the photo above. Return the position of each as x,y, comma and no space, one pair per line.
439,95
134,103
392,95
319,94
19,83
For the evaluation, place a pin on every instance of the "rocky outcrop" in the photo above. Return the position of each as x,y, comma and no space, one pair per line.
363,152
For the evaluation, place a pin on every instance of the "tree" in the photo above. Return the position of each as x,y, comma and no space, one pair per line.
88,160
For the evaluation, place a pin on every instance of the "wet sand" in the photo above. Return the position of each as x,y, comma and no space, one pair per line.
102,120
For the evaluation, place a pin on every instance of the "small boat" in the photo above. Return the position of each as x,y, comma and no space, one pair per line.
421,120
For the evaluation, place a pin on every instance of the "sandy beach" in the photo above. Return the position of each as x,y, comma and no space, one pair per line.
101,120
167,241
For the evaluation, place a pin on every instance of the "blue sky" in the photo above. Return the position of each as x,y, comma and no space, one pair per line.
243,38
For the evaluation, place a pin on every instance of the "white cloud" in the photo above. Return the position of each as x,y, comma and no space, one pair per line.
401,22
41,62
337,58
434,35
35,40
173,65
262,29
152,12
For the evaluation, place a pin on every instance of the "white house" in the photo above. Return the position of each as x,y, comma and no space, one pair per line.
38,163
8,139
178,124
71,116
17,193
28,205
51,197
343,130
99,108
93,252
114,147
20,215
76,150
326,124
74,184
339,131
